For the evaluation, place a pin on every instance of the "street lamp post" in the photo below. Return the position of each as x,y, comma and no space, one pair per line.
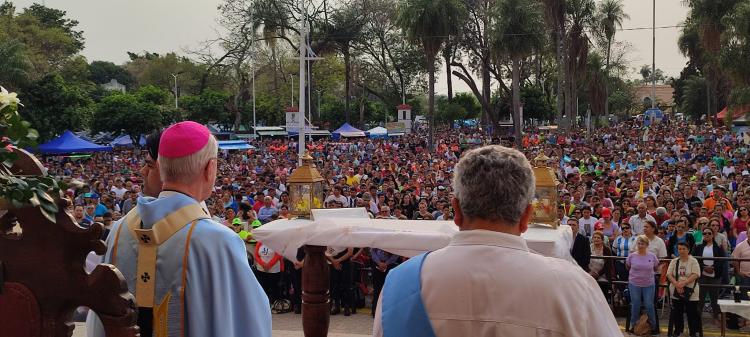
175,90
653,57
255,133
292,77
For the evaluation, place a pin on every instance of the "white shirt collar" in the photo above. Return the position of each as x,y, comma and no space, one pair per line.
488,238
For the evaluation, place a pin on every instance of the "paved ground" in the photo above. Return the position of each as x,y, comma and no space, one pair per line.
360,325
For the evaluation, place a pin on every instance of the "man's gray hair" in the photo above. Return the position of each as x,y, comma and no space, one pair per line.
494,183
186,169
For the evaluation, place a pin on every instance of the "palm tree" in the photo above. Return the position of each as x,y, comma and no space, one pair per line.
596,78
344,30
581,14
517,33
611,15
554,11
430,22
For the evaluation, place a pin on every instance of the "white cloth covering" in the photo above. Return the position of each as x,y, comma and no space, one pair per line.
742,308
353,228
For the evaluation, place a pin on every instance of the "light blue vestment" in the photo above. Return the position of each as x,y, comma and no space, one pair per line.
221,295
403,312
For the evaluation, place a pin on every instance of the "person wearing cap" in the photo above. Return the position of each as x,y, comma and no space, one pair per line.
422,297
609,228
176,260
718,198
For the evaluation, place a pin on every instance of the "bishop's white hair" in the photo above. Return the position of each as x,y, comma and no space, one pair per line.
186,169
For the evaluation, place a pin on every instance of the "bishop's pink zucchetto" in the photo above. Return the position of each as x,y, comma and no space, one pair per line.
183,139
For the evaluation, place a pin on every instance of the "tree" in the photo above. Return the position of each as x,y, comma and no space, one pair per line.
535,104
101,72
581,14
52,106
429,22
51,18
470,104
708,20
449,111
611,14
49,39
554,11
596,75
395,67
75,70
735,50
210,106
694,99
648,76
157,70
125,114
344,29
14,68
518,31
153,95
474,44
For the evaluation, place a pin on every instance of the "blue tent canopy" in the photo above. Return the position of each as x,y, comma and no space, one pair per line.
653,115
125,140
234,145
347,130
70,143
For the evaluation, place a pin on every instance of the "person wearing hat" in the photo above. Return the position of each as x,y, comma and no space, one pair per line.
176,260
717,198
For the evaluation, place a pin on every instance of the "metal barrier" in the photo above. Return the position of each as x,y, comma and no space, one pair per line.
666,285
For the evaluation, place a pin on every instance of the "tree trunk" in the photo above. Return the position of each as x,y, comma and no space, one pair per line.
568,94
560,79
606,82
431,99
487,93
449,77
573,100
347,84
275,74
362,102
517,122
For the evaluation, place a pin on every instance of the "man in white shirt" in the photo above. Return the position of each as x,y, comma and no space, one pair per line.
337,196
637,221
495,285
118,189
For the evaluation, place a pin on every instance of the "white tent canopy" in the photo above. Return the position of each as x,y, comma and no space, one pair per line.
378,131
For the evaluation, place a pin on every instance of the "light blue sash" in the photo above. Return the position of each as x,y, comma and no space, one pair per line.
403,313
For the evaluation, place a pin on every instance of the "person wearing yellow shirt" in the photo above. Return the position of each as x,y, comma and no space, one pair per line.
351,178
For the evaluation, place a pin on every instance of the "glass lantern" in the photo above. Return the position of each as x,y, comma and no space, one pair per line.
545,199
306,191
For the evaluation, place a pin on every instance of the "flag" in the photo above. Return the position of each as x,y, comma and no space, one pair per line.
640,190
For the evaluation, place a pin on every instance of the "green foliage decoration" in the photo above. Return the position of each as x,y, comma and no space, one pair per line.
22,190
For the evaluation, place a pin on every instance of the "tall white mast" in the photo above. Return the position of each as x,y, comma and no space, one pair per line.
302,100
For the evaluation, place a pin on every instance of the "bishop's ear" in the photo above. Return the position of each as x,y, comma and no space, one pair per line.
458,214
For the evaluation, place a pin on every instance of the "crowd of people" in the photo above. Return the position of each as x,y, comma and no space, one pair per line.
644,194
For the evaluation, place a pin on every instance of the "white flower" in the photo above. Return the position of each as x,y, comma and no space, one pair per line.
7,98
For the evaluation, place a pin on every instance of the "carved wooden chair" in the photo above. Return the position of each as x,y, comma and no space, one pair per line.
42,276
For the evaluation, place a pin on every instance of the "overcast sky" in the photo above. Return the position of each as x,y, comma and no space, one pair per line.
114,27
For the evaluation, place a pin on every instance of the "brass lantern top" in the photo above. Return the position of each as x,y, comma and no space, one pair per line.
545,198
307,173
544,175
